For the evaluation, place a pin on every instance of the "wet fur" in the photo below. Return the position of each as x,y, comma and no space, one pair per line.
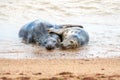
77,36
36,32
73,37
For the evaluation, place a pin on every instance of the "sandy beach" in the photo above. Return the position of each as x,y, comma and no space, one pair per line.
99,60
56,69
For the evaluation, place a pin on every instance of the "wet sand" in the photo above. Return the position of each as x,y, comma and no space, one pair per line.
99,59
100,21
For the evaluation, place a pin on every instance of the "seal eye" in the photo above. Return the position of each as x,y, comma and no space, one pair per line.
54,41
45,42
71,41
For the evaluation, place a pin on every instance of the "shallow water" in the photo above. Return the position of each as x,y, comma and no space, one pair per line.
100,18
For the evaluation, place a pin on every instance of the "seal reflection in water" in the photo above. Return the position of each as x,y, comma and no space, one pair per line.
72,37
36,32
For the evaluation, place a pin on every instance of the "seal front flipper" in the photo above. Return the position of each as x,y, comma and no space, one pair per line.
29,39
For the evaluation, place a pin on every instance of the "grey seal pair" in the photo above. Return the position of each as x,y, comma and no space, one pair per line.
52,36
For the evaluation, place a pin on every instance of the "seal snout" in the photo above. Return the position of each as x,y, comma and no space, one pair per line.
49,47
62,46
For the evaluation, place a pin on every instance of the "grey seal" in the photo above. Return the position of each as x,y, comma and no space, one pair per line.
36,32
72,37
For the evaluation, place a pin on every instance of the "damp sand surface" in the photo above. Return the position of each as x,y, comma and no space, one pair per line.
100,18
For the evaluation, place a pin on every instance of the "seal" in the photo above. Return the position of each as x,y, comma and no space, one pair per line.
36,32
72,37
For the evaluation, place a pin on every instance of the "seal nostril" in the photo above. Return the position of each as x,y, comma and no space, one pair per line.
61,44
49,47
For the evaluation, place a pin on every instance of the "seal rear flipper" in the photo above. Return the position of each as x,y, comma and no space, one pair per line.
71,25
56,31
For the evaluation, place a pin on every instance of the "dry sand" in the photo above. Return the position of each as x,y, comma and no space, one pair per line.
56,69
99,60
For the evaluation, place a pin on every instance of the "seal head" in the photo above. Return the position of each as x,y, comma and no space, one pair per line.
70,42
52,42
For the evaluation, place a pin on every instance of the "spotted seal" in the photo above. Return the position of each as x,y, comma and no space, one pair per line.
36,32
72,37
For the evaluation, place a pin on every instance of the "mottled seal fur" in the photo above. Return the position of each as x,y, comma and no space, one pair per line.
36,32
72,37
